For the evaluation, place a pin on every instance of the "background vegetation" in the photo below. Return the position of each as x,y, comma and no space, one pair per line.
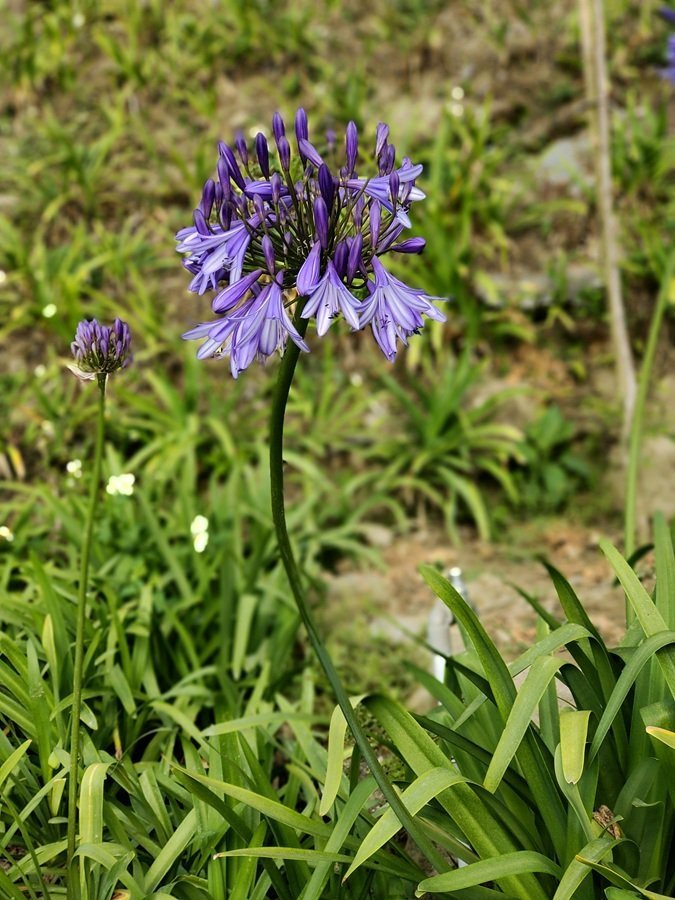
202,710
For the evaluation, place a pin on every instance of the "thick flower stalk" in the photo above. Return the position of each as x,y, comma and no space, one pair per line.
98,351
267,238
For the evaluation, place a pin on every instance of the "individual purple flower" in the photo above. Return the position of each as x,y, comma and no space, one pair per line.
302,236
258,328
394,310
667,13
99,350
328,298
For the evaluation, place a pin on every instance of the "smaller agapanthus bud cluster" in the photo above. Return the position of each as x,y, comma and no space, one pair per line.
100,349
669,71
269,234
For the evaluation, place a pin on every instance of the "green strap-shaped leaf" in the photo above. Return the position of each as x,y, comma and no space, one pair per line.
665,571
662,734
632,669
421,791
518,863
520,718
173,848
91,803
334,764
271,808
647,614
312,857
12,761
616,876
573,733
577,871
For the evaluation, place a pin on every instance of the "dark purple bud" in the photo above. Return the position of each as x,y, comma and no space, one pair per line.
668,14
208,196
263,154
357,212
223,174
326,185
354,261
301,125
278,127
321,221
374,222
411,245
340,259
268,253
381,136
259,206
284,149
310,152
218,199
200,222
351,146
388,159
232,166
242,149
276,184
394,186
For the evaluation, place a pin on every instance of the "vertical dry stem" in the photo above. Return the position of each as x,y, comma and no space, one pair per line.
592,22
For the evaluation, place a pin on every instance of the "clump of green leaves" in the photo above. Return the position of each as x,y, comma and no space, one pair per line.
550,472
448,445
563,787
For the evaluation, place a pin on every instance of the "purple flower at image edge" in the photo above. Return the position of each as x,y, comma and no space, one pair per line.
279,232
669,71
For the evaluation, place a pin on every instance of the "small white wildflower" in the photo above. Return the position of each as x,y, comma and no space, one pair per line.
49,311
457,110
457,93
78,20
40,371
356,379
3,276
121,484
200,541
6,533
200,525
74,468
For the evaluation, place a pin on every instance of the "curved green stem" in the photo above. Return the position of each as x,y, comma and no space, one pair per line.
635,440
279,401
79,635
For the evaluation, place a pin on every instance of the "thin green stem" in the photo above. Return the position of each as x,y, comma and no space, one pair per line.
637,424
79,635
279,401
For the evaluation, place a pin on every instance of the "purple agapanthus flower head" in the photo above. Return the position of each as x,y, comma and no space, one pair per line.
100,350
303,235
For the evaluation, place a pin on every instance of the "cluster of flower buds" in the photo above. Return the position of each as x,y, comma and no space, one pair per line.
100,350
305,235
